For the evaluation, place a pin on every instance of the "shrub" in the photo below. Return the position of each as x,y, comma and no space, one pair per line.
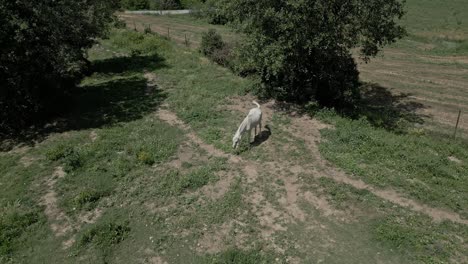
165,4
118,23
222,56
135,4
189,4
145,158
211,41
212,12
213,47
70,156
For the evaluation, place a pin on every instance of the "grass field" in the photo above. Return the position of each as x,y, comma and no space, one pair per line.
141,169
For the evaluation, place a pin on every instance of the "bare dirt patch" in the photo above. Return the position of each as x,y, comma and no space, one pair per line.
93,136
90,217
26,161
221,187
454,159
59,222
219,238
156,260
185,154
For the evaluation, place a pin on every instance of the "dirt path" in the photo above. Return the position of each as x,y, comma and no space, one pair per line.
59,221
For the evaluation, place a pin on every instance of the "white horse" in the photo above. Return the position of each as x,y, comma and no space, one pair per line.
252,120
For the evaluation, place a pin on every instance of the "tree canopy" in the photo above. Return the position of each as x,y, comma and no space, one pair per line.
42,52
302,48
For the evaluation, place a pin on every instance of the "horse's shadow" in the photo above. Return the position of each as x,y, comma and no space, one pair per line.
262,137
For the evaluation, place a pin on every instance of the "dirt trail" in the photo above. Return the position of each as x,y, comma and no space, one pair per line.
273,218
59,221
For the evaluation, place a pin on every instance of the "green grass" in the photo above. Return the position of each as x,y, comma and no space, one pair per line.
419,166
415,237
437,23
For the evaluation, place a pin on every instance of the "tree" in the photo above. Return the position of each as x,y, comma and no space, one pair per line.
301,49
135,4
43,44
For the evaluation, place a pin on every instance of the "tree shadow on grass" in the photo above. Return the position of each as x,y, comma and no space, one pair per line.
379,105
119,100
388,110
119,95
133,64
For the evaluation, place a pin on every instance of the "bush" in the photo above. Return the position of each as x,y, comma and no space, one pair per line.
135,4
213,47
211,41
165,4
224,57
212,12
190,4
70,156
145,158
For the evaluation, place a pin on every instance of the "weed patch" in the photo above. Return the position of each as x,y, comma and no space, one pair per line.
105,234
14,222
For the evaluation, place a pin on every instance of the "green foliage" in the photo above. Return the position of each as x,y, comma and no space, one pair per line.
68,155
104,235
190,4
87,198
14,221
301,49
211,41
135,42
215,48
165,4
145,158
42,57
135,4
212,11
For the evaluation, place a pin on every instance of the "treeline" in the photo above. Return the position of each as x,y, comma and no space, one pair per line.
160,4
